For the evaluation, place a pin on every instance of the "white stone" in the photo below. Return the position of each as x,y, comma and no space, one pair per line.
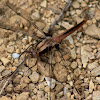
35,15
50,82
70,39
15,55
66,25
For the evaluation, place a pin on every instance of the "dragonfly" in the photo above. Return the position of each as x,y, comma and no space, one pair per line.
45,45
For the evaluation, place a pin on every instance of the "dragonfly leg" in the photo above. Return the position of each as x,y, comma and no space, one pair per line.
58,49
33,65
25,51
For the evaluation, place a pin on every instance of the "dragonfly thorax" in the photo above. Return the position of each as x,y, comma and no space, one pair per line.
33,53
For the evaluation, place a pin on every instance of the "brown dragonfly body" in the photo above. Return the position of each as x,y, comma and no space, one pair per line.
52,41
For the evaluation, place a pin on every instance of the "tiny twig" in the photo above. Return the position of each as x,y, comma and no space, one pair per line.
12,75
60,15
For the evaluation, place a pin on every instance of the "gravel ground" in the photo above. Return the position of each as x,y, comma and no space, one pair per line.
75,78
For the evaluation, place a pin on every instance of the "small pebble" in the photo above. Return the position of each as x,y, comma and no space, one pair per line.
1,41
47,89
2,68
93,31
96,95
44,4
71,83
50,82
83,4
23,96
89,97
5,98
74,65
35,15
92,65
6,72
9,88
60,72
5,61
31,86
34,77
41,86
73,53
35,90
78,12
98,79
66,25
97,14
17,50
76,4
91,86
95,71
77,72
15,55
58,88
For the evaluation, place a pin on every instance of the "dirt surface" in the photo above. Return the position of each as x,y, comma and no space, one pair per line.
73,73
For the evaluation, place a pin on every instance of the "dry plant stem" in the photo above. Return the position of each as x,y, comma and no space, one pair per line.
60,15
12,75
21,13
